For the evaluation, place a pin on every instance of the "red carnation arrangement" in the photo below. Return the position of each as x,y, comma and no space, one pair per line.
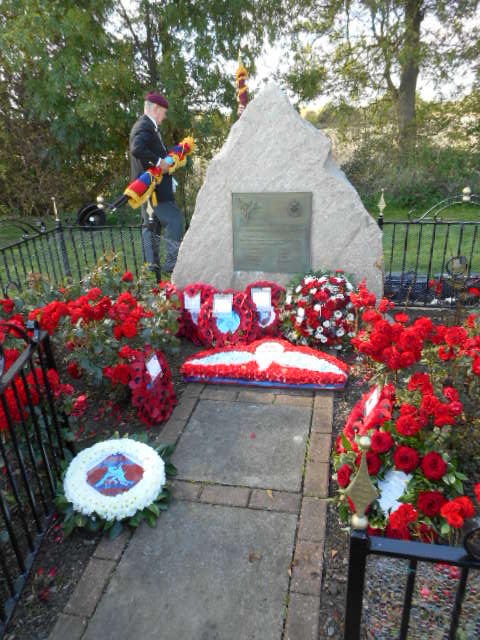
318,311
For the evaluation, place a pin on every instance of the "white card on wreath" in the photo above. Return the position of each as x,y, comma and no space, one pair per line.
192,303
372,402
222,303
262,298
154,367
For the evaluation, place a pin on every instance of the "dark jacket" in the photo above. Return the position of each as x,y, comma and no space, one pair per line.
146,148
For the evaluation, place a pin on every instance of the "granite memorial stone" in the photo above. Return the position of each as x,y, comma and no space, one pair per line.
272,152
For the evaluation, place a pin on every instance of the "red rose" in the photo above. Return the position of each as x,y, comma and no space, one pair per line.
343,475
74,370
452,514
406,459
476,489
129,329
8,305
374,463
455,336
382,442
466,506
476,366
127,276
430,502
434,466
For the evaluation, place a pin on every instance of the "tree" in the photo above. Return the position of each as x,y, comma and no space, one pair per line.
74,76
63,102
376,47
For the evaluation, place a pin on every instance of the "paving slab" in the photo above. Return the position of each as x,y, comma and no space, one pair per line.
206,572
244,444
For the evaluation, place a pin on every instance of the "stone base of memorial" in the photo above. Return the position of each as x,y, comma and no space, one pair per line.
269,362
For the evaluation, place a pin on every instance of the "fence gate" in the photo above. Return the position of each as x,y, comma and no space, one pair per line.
32,449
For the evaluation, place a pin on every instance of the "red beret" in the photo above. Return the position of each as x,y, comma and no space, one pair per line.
157,98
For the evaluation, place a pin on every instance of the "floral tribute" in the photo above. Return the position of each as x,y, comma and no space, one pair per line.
114,483
147,374
267,297
226,318
107,330
318,311
422,419
192,297
267,362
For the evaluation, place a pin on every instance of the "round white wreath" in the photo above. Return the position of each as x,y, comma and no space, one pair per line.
87,500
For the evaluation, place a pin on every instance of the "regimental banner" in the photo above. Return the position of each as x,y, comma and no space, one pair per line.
271,232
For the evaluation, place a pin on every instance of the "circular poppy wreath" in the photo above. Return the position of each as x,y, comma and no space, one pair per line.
113,482
267,323
214,332
188,320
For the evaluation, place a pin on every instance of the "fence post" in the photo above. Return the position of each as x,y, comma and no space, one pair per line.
61,241
359,545
362,493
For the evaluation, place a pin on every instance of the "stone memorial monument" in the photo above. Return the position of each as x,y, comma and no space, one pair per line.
275,204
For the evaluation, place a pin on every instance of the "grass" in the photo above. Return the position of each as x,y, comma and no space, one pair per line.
426,248
421,248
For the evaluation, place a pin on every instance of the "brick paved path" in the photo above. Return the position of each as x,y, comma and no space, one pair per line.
238,555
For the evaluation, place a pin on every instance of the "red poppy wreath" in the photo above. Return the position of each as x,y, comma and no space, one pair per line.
267,297
192,298
226,318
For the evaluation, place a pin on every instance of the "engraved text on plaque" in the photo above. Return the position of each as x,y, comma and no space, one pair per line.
271,232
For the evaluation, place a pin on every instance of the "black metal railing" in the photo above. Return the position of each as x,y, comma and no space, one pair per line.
69,252
421,261
32,449
416,553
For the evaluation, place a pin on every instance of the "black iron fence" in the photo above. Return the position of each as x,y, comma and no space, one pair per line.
32,449
432,262
415,554
67,251
426,261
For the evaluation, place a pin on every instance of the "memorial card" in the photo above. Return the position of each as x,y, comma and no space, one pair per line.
222,303
154,367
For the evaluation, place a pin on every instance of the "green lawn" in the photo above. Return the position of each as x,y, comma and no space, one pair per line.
425,248
421,248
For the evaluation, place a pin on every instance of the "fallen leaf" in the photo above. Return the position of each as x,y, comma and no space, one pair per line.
252,556
270,494
333,553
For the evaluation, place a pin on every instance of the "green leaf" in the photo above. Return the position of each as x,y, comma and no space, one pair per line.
68,526
61,503
170,469
346,442
115,530
154,509
136,519
150,519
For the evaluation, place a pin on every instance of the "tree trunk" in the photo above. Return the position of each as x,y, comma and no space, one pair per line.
409,68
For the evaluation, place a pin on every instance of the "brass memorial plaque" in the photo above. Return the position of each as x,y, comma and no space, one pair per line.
271,232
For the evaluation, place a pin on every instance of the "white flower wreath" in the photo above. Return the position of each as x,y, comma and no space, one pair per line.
87,500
